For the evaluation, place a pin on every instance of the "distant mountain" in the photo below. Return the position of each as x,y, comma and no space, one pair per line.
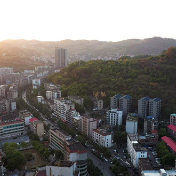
91,48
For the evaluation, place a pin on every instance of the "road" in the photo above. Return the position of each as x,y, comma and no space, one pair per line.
103,166
41,115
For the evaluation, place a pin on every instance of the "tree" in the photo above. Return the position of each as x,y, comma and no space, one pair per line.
59,154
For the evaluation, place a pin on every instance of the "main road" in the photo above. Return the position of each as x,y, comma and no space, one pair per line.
103,166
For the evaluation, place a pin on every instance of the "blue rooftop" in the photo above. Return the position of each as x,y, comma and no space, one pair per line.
156,99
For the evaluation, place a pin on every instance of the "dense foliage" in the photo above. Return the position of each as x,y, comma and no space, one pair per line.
167,158
151,76
13,159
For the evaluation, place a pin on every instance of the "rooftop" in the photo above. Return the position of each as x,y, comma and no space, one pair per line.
145,164
132,116
102,132
76,148
61,163
33,119
169,142
172,127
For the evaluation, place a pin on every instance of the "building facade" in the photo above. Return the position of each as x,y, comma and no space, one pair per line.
102,138
132,123
88,124
135,150
143,107
61,58
11,128
125,104
173,119
114,117
155,108
114,101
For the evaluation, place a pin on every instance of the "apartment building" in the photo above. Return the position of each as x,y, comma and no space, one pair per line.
2,91
4,106
76,99
59,139
125,104
102,138
114,102
77,153
61,106
74,119
132,123
114,117
143,107
10,128
26,116
155,108
173,119
88,125
37,126
73,151
98,104
135,150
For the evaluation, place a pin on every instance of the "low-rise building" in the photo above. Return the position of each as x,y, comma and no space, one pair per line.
172,130
25,115
170,143
102,138
160,172
11,128
135,150
64,168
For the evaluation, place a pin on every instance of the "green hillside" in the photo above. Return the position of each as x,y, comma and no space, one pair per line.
151,76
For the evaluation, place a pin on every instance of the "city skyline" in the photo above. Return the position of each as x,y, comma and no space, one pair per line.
113,20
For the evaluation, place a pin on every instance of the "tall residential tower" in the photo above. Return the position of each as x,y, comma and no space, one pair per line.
61,59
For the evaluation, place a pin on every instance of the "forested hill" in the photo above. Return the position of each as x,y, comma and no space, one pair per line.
153,76
93,48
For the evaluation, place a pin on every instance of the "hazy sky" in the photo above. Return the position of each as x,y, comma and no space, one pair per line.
105,20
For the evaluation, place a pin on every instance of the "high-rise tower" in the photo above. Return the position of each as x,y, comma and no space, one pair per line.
61,57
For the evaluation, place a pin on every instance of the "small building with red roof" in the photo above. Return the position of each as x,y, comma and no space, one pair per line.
172,130
170,143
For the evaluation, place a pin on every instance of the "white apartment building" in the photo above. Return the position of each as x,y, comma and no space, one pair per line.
173,119
61,106
40,99
49,95
25,115
135,150
132,123
76,99
114,117
98,104
102,138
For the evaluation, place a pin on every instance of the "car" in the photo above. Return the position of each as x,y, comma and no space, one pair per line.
115,150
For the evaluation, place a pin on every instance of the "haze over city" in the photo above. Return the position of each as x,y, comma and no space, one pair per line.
112,20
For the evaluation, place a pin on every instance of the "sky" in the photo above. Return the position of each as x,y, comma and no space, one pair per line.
104,20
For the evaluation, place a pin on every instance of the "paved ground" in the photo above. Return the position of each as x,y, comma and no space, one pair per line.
103,166
17,139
